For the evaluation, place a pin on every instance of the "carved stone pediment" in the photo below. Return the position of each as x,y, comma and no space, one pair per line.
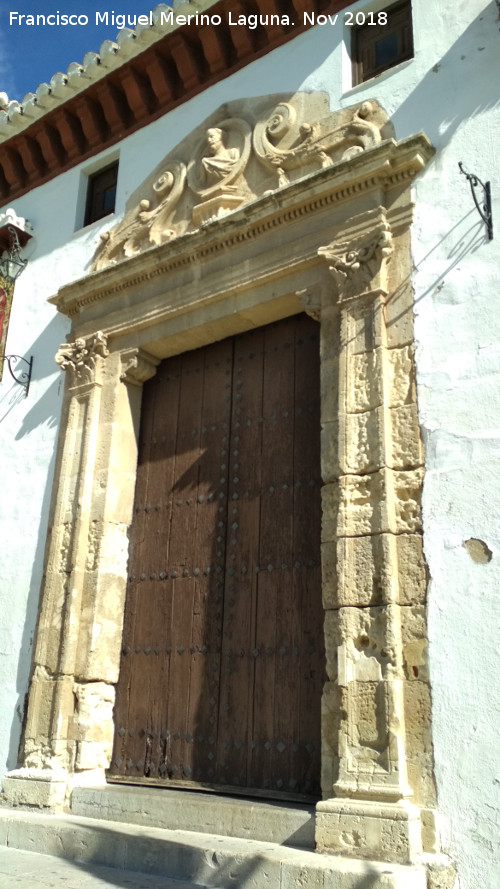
248,148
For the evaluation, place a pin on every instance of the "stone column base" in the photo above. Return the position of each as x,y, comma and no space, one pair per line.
364,829
44,788
47,788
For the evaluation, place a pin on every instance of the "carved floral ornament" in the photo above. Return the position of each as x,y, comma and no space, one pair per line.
246,150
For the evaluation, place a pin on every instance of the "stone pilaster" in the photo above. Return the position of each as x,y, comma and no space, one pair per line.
372,474
69,723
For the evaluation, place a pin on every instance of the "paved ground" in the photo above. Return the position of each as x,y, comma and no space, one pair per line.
30,870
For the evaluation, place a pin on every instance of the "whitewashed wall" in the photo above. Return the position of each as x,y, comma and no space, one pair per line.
450,91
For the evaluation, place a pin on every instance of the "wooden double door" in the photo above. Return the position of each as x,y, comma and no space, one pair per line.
222,662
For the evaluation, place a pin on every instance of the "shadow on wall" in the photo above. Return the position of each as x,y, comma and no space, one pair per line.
465,75
43,412
11,396
454,246
461,240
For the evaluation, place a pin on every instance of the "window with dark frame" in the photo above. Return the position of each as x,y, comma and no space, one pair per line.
101,193
378,46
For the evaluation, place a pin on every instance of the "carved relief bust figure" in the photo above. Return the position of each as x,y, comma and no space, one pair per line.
221,160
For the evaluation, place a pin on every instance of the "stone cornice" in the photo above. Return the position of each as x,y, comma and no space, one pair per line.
376,171
130,84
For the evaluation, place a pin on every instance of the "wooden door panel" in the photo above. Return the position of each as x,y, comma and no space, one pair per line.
238,639
306,556
276,611
223,660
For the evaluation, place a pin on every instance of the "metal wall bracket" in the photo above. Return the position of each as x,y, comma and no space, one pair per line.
484,209
24,377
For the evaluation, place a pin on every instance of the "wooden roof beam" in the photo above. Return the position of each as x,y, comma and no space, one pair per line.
161,79
187,58
52,149
13,168
71,133
216,48
114,106
241,37
140,96
92,121
33,158
267,9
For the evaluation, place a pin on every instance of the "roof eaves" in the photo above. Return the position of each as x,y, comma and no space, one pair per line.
17,116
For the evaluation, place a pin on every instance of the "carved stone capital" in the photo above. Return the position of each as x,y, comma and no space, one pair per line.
82,356
358,263
138,366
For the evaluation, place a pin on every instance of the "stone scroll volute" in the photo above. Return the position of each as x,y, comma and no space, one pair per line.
293,138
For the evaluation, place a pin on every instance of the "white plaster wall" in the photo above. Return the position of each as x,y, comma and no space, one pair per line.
450,91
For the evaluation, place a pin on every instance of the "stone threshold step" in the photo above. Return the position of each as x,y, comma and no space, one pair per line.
287,824
201,859
32,870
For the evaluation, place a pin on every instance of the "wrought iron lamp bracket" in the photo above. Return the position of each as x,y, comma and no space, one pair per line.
483,209
24,377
